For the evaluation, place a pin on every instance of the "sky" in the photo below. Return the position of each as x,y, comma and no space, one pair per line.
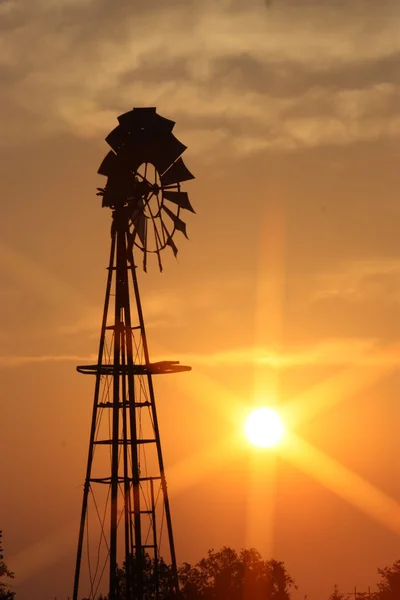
287,292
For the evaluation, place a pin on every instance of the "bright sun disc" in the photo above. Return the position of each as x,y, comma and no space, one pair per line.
264,427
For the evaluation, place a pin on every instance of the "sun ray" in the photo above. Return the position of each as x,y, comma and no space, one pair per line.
337,388
198,466
269,302
261,502
343,482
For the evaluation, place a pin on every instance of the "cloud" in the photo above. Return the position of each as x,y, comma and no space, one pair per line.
353,300
362,281
17,361
247,78
24,271
334,352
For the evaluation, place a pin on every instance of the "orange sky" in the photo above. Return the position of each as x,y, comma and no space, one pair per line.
288,287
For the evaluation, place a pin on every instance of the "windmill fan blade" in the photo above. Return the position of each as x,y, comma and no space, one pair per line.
148,146
179,198
179,224
108,164
145,118
136,211
139,227
144,136
116,138
165,151
138,148
176,173
113,166
171,244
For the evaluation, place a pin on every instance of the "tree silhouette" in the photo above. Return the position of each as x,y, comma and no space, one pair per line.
229,574
389,586
222,575
336,595
157,579
5,592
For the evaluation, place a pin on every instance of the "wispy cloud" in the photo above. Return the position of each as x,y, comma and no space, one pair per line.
335,352
361,281
18,361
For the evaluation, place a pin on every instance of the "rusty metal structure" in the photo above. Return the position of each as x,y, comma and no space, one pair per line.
125,545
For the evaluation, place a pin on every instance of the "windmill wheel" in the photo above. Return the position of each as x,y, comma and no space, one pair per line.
145,171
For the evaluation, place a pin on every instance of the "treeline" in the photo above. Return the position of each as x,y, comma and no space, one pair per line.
388,587
225,575
230,575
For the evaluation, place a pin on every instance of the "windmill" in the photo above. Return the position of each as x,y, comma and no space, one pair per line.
125,527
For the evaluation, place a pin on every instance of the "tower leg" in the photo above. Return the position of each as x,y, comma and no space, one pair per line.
157,434
93,425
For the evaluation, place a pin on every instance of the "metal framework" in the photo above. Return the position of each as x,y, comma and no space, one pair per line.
125,537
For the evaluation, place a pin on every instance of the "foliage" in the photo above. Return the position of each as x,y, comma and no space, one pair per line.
229,574
164,576
336,595
389,586
5,592
221,575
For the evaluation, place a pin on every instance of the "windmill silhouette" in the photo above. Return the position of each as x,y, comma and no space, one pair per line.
126,517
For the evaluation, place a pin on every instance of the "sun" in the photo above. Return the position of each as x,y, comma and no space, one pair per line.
264,427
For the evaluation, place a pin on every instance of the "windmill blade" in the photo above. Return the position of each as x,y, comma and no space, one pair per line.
138,148
112,166
179,198
161,150
136,210
179,224
171,244
168,239
145,136
176,173
109,164
165,151
139,227
159,261
145,118
117,138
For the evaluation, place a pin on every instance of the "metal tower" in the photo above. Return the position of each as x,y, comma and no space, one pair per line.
125,529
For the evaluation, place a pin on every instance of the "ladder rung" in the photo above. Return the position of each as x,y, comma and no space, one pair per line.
122,404
124,442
